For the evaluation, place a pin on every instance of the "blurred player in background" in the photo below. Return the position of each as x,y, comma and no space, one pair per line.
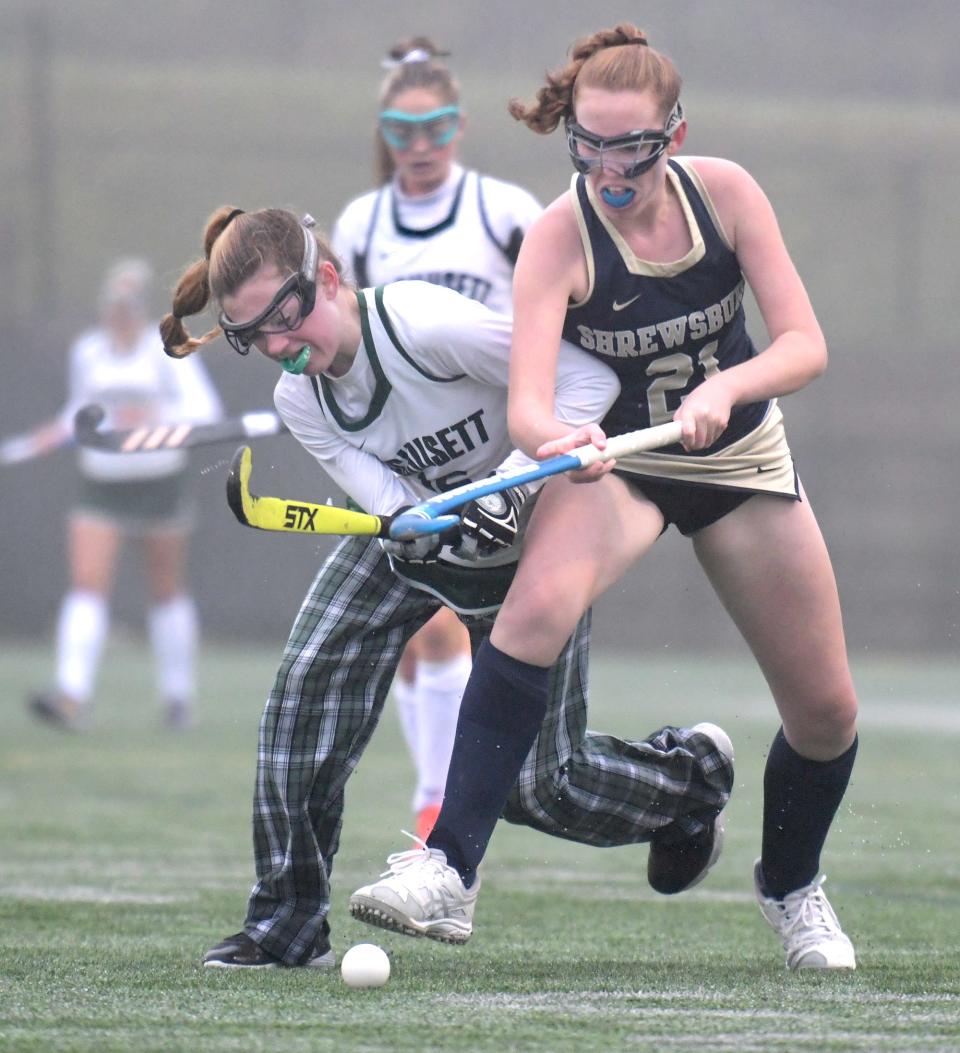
643,263
400,392
432,220
141,497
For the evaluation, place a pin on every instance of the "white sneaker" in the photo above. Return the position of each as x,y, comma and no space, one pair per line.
806,923
419,895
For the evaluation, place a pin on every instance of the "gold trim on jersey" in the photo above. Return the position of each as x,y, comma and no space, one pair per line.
760,461
698,182
647,268
584,241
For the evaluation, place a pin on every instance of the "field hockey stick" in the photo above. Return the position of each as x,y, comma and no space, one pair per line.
430,516
293,517
172,436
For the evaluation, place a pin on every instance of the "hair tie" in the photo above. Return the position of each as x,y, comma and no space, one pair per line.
642,41
413,55
226,223
416,55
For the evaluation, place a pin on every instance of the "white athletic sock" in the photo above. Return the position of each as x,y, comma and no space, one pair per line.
438,690
81,631
403,695
173,635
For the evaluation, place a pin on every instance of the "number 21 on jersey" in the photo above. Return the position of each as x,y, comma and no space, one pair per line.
673,373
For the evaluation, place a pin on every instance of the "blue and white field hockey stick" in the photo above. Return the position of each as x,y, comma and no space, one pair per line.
430,516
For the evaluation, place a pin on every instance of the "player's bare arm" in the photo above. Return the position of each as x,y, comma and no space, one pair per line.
797,352
550,272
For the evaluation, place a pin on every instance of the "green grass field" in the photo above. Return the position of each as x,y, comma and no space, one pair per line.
124,853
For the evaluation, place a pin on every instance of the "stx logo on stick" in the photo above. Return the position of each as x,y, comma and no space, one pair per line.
297,517
300,517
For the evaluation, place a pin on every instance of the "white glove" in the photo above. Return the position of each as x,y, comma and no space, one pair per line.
422,549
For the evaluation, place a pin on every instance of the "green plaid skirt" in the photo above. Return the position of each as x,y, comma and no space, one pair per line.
327,698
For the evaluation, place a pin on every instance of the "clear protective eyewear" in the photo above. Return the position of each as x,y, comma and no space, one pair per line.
400,129
291,303
628,155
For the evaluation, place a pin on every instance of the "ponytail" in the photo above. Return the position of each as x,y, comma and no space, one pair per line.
192,293
618,59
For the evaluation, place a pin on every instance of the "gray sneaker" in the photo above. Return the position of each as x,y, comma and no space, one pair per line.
240,952
675,866
806,923
419,895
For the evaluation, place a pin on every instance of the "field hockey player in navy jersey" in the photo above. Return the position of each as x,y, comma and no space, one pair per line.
643,264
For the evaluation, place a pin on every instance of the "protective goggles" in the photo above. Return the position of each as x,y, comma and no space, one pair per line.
292,302
400,129
628,155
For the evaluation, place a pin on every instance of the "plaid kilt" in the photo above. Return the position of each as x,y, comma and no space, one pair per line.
327,697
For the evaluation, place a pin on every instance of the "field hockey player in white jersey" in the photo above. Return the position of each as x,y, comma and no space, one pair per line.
400,392
431,219
139,497
642,263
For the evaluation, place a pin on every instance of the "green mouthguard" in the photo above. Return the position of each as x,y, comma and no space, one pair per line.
296,365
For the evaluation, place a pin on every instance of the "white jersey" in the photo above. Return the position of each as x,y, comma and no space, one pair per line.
423,407
465,236
137,386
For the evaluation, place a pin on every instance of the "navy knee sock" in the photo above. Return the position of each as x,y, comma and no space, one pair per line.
502,709
800,799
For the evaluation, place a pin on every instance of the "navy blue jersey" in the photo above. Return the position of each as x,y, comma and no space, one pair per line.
662,327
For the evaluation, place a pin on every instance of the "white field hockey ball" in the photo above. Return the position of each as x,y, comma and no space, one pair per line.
365,965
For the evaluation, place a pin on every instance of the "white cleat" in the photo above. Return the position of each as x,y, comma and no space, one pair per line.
419,895
806,923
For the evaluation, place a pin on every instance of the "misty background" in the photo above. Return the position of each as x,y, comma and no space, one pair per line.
124,124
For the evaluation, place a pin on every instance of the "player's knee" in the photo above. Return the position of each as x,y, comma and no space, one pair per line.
442,637
536,624
823,727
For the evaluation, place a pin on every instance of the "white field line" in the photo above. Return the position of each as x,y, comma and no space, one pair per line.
81,862
680,1024
83,894
74,880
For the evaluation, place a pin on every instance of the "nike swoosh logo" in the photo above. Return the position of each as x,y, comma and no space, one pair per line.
626,303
